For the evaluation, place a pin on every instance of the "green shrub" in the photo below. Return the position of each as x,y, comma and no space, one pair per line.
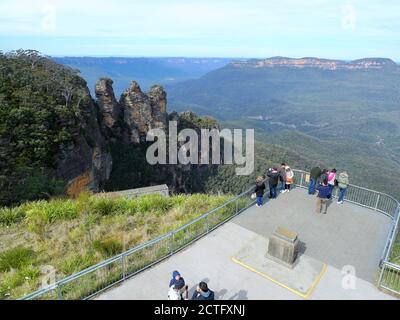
9,216
16,258
13,280
41,213
151,203
76,262
108,247
103,206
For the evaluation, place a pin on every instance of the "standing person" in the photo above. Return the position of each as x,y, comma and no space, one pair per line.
260,190
178,281
343,183
331,180
282,177
323,197
289,179
315,174
203,292
273,176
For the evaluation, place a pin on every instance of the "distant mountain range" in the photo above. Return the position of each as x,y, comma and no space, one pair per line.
311,62
147,71
344,114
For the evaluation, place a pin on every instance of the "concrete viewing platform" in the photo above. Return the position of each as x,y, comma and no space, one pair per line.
232,258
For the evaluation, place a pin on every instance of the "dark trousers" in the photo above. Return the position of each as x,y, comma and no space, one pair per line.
313,184
273,191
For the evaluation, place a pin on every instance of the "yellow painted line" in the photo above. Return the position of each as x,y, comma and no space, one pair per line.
303,295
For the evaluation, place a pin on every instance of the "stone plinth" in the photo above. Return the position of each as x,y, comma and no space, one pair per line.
283,247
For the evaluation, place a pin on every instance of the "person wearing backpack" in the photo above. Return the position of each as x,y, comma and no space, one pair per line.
343,184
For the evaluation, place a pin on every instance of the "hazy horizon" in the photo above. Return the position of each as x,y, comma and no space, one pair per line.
342,29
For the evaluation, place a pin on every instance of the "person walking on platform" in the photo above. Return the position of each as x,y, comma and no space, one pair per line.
324,195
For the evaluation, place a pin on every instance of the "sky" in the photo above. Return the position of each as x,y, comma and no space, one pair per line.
339,29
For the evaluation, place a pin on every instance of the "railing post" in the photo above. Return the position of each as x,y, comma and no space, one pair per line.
123,267
237,206
171,244
59,293
301,179
377,202
381,275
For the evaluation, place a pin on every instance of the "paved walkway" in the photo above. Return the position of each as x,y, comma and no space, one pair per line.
348,235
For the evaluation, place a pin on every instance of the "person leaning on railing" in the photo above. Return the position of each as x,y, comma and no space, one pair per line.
315,174
343,183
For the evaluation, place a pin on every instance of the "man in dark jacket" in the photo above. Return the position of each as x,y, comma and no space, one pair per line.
259,191
273,175
324,195
203,293
314,176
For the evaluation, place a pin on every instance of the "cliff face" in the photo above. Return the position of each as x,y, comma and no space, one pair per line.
86,163
51,136
325,64
54,137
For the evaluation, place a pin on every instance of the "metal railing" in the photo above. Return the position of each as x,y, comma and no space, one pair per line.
98,278
389,278
104,275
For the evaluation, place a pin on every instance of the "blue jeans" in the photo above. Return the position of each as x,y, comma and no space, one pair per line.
260,201
331,187
342,193
273,192
311,188
283,185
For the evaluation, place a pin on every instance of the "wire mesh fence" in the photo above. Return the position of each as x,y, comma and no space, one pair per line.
96,279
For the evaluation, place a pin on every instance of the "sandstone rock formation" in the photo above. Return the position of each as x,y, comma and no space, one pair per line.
143,112
109,107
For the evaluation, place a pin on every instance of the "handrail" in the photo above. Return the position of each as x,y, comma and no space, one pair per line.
170,235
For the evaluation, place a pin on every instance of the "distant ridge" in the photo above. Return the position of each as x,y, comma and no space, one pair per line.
313,62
